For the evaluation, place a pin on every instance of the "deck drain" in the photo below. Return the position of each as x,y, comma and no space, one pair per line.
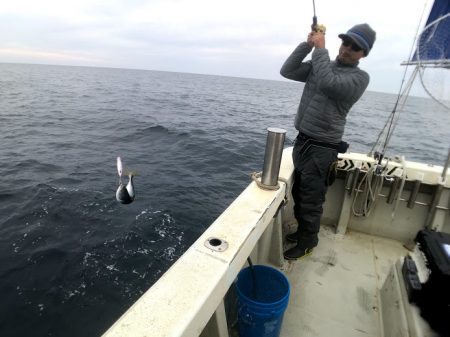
216,244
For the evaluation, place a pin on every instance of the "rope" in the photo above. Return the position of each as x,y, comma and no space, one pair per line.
402,185
372,187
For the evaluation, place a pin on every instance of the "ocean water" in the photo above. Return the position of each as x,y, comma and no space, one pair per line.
72,259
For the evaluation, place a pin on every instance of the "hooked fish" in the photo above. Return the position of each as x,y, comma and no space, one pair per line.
125,193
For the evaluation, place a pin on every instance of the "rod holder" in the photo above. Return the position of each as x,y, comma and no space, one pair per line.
272,156
393,190
446,165
355,178
414,193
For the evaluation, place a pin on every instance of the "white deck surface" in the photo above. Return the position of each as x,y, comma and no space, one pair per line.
334,291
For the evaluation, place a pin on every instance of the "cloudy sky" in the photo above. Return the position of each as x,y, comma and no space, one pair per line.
243,38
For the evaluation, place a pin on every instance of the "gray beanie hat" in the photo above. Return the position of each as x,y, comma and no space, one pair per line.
362,35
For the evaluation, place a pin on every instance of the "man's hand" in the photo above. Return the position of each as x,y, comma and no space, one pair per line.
310,39
317,40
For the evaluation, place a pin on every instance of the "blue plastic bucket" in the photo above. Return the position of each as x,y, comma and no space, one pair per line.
263,296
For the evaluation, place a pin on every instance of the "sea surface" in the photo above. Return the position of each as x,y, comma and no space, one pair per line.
73,259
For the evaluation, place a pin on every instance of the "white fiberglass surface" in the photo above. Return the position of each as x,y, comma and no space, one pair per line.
334,291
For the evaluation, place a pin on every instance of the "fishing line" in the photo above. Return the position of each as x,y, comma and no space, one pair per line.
390,120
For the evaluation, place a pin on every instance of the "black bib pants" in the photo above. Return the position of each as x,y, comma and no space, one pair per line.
312,162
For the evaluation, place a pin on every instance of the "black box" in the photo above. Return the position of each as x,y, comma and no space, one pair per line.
436,247
434,298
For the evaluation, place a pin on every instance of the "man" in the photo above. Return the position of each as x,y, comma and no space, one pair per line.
331,89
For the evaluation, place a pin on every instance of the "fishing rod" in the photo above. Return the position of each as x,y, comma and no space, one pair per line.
316,27
314,24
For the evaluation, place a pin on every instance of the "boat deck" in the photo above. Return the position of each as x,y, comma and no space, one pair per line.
334,292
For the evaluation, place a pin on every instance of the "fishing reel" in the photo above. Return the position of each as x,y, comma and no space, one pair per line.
315,27
319,29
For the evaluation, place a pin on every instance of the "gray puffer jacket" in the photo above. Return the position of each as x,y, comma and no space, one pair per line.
330,91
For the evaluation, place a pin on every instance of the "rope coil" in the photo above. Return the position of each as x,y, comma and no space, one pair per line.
368,189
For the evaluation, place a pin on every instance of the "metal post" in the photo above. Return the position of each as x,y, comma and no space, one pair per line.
447,163
272,157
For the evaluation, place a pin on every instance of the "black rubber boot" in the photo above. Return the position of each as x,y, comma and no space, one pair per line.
293,237
298,252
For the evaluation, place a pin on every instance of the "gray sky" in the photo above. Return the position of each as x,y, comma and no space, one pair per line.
243,38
